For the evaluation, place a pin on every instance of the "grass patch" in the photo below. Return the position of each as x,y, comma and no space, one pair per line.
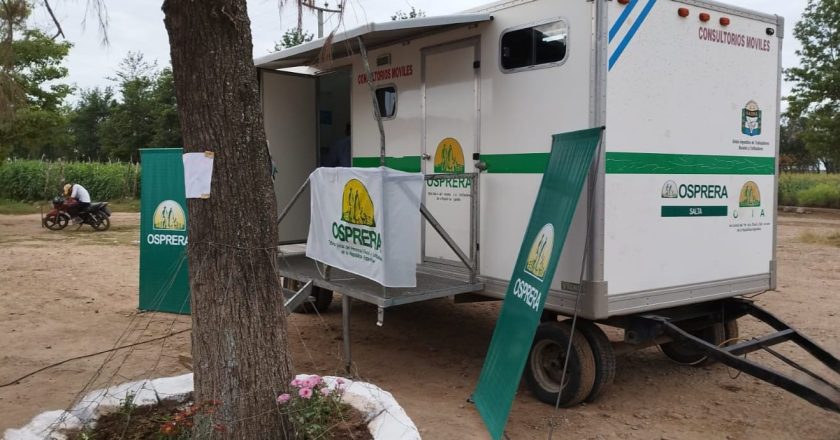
16,208
13,207
830,239
125,205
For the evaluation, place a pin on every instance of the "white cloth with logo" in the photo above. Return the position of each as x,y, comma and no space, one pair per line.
367,221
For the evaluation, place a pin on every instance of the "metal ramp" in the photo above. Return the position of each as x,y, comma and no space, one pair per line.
804,382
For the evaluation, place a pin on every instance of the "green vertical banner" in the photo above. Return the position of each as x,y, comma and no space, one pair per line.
568,165
164,279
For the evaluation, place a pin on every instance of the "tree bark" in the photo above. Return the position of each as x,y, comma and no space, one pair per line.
239,329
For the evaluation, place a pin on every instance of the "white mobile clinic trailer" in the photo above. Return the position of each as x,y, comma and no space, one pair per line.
679,212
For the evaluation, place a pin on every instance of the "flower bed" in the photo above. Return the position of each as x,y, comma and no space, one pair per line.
385,418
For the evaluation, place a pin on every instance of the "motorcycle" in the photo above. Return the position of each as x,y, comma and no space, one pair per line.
96,215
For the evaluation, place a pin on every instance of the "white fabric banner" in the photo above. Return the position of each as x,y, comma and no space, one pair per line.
367,221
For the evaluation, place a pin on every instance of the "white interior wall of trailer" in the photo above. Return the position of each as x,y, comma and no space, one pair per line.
680,87
288,102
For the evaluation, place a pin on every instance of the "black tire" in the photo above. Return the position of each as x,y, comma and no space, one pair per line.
319,301
604,355
56,222
684,353
100,222
545,365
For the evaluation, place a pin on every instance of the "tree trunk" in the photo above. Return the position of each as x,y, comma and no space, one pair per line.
239,329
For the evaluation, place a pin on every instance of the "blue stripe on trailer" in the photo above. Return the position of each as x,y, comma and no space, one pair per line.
622,18
636,25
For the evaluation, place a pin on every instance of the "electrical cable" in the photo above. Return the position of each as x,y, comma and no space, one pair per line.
14,382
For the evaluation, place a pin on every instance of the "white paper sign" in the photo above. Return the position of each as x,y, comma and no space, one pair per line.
198,170
367,221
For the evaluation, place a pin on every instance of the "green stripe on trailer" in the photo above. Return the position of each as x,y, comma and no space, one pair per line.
617,163
409,164
657,163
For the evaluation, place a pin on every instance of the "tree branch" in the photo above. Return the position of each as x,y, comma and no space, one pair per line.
55,20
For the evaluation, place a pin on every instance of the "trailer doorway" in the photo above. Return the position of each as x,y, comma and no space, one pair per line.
334,128
450,143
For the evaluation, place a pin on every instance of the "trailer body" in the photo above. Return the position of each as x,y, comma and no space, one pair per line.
680,207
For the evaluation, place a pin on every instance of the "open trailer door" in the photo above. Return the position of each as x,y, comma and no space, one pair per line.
288,102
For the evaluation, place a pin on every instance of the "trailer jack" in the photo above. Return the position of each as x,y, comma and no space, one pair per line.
807,385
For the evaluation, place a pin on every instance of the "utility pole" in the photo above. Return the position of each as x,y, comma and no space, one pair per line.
321,9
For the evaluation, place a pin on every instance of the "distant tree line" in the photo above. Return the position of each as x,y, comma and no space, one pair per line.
36,120
810,135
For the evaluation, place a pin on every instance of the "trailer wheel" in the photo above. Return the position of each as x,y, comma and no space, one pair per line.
604,355
684,353
545,365
319,301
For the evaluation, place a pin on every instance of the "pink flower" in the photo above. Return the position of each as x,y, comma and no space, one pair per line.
283,398
313,381
306,393
296,383
325,391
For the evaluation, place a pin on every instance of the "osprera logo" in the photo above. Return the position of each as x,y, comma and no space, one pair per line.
751,119
670,190
356,204
358,223
538,257
169,216
536,266
449,157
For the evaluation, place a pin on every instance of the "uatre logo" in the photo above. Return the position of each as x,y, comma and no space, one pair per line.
670,190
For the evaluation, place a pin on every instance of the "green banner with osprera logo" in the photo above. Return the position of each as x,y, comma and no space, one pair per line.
164,280
568,165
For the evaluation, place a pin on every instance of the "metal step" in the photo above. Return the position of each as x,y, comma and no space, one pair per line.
802,381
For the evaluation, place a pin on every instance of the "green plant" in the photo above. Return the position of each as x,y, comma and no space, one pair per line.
793,186
127,405
313,406
822,195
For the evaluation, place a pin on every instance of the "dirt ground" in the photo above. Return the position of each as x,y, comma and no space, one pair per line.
64,294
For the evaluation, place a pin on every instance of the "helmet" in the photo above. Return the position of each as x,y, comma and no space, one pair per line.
67,189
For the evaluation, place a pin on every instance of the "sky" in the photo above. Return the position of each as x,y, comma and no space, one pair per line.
137,25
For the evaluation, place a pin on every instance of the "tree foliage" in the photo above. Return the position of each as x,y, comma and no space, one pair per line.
413,13
293,37
38,124
145,116
815,99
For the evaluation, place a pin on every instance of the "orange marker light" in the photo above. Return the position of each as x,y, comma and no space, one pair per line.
682,12
724,21
704,17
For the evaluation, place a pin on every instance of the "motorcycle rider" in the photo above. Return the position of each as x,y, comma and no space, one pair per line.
81,199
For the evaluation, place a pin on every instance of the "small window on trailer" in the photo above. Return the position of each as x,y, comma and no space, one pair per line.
386,97
534,46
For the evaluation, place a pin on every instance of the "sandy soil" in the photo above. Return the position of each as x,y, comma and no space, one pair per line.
68,293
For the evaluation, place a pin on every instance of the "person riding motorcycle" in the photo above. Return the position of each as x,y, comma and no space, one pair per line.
80,200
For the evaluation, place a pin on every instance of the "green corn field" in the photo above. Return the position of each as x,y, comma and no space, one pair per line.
34,180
